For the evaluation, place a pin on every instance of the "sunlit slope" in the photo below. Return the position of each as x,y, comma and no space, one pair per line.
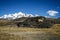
56,28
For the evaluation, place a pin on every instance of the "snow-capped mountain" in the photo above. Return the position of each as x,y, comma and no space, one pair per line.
17,15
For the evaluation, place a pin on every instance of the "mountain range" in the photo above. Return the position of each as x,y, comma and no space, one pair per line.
17,15
37,21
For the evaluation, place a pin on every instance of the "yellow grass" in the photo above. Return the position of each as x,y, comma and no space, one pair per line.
21,29
54,30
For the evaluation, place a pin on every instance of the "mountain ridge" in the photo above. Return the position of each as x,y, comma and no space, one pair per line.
38,21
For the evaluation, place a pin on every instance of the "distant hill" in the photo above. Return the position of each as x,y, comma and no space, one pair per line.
38,22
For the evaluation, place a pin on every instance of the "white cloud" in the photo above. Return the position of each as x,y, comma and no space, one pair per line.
36,15
17,15
52,12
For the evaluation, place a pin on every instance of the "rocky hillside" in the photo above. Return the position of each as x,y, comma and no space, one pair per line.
39,22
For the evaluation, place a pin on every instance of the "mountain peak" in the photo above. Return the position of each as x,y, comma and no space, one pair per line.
17,15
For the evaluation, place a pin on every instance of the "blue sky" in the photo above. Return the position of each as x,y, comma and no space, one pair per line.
40,7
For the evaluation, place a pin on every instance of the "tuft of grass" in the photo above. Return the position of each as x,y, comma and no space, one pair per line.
56,29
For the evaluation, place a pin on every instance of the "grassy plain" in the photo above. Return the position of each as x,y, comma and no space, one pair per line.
15,33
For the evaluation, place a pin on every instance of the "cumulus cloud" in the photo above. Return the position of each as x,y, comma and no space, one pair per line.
17,15
52,12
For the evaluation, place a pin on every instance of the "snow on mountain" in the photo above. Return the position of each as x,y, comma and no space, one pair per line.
17,15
